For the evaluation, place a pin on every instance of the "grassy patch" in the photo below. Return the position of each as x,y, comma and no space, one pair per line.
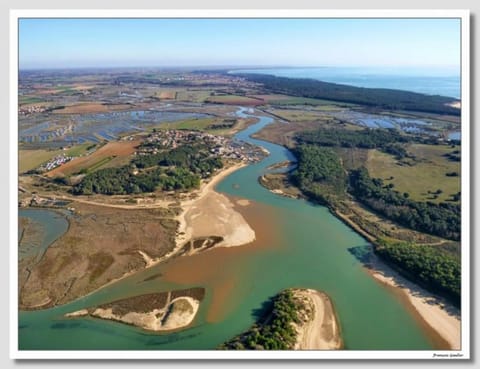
22,100
193,95
292,100
198,124
234,99
298,115
99,164
98,263
31,159
421,177
78,150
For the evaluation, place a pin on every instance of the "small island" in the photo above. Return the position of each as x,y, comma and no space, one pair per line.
298,319
164,311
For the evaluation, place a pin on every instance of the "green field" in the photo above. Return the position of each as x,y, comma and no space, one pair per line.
193,95
99,164
23,100
234,99
294,115
425,175
194,124
32,159
293,100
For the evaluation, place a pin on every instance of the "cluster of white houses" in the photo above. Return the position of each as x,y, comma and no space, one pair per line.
55,162
219,145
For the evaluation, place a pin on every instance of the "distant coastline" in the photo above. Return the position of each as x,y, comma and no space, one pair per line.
430,81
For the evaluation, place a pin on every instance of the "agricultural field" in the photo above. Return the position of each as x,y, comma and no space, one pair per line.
193,124
298,115
32,159
97,159
234,100
91,107
283,133
277,99
27,100
421,177
193,95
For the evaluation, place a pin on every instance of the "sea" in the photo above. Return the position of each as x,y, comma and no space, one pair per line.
444,81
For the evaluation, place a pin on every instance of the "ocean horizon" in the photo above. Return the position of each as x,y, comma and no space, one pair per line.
430,81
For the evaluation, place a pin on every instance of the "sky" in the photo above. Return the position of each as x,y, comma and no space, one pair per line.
79,43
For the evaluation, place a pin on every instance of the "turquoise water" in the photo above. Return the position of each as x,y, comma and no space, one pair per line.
309,248
51,224
430,81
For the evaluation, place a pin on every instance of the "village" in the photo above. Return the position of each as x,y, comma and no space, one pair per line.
220,146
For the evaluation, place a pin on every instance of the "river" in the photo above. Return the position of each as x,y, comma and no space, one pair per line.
298,244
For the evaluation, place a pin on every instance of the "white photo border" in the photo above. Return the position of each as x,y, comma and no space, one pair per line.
462,14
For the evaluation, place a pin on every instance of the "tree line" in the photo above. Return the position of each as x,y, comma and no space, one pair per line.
122,181
177,169
441,220
375,97
437,270
319,173
388,139
194,157
276,332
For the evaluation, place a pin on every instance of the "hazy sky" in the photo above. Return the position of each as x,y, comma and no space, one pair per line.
64,43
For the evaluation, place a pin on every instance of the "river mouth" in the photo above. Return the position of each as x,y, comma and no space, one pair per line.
298,244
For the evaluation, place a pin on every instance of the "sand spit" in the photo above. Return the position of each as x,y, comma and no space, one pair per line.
178,314
164,311
320,329
213,214
440,315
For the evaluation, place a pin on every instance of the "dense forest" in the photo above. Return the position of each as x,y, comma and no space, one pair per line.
375,97
121,181
436,270
364,139
319,173
194,157
276,332
441,220
177,169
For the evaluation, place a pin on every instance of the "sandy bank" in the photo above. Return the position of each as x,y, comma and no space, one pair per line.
320,330
213,214
171,314
440,315
178,314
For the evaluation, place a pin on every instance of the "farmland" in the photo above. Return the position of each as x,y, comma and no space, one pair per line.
96,159
91,107
32,159
234,100
421,177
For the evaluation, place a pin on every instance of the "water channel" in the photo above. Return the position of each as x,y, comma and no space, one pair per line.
298,244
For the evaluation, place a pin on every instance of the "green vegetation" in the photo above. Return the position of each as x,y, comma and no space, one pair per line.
190,124
233,99
376,97
32,159
177,169
437,270
364,139
80,149
424,170
121,181
291,100
22,100
441,220
319,174
195,158
276,332
97,165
